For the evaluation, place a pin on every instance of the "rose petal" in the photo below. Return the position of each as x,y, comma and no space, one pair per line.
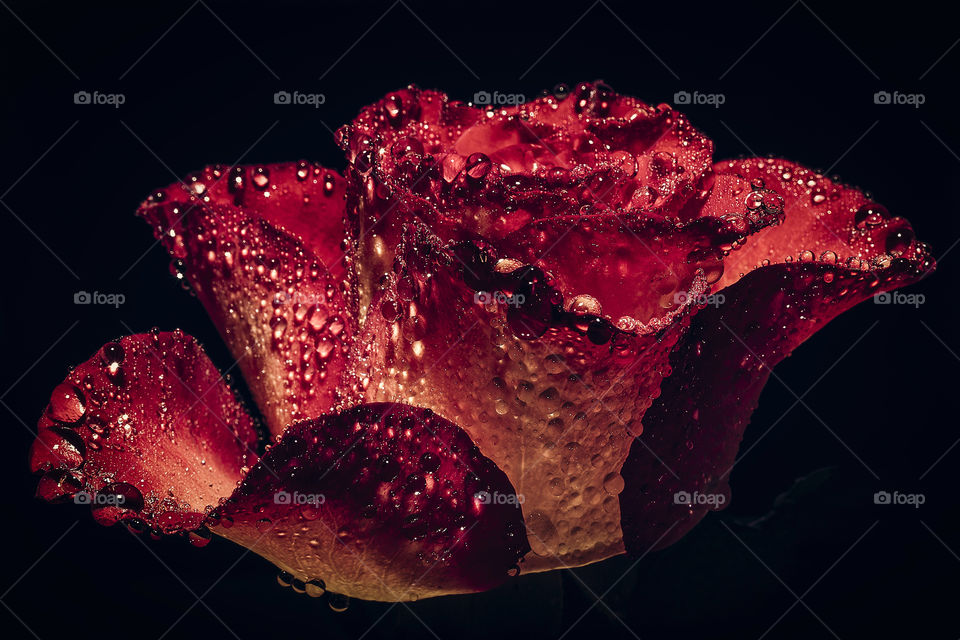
555,412
382,502
830,222
640,267
283,315
466,171
301,198
144,430
820,262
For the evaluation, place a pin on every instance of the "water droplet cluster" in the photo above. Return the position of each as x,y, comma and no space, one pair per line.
466,170
386,488
831,224
284,316
557,412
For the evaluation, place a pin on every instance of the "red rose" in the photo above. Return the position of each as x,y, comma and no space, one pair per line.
456,348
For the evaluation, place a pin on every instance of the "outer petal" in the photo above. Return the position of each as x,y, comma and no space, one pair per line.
550,395
382,502
303,198
252,243
146,430
834,250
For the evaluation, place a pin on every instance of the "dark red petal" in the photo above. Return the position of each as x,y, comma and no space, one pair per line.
382,502
641,267
466,171
555,412
283,315
147,430
821,262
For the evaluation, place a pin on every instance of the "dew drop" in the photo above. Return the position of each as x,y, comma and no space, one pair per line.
613,484
66,404
200,537
303,171
315,588
278,324
585,304
870,215
899,240
338,602
261,178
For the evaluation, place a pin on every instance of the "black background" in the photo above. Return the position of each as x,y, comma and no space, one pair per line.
799,81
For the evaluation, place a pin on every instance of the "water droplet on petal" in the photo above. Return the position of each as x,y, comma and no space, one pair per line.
899,240
66,404
339,602
315,588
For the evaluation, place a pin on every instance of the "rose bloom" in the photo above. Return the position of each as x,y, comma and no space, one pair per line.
505,339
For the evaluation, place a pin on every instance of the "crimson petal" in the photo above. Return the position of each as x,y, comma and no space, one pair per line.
255,245
638,267
835,249
466,171
382,502
145,430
